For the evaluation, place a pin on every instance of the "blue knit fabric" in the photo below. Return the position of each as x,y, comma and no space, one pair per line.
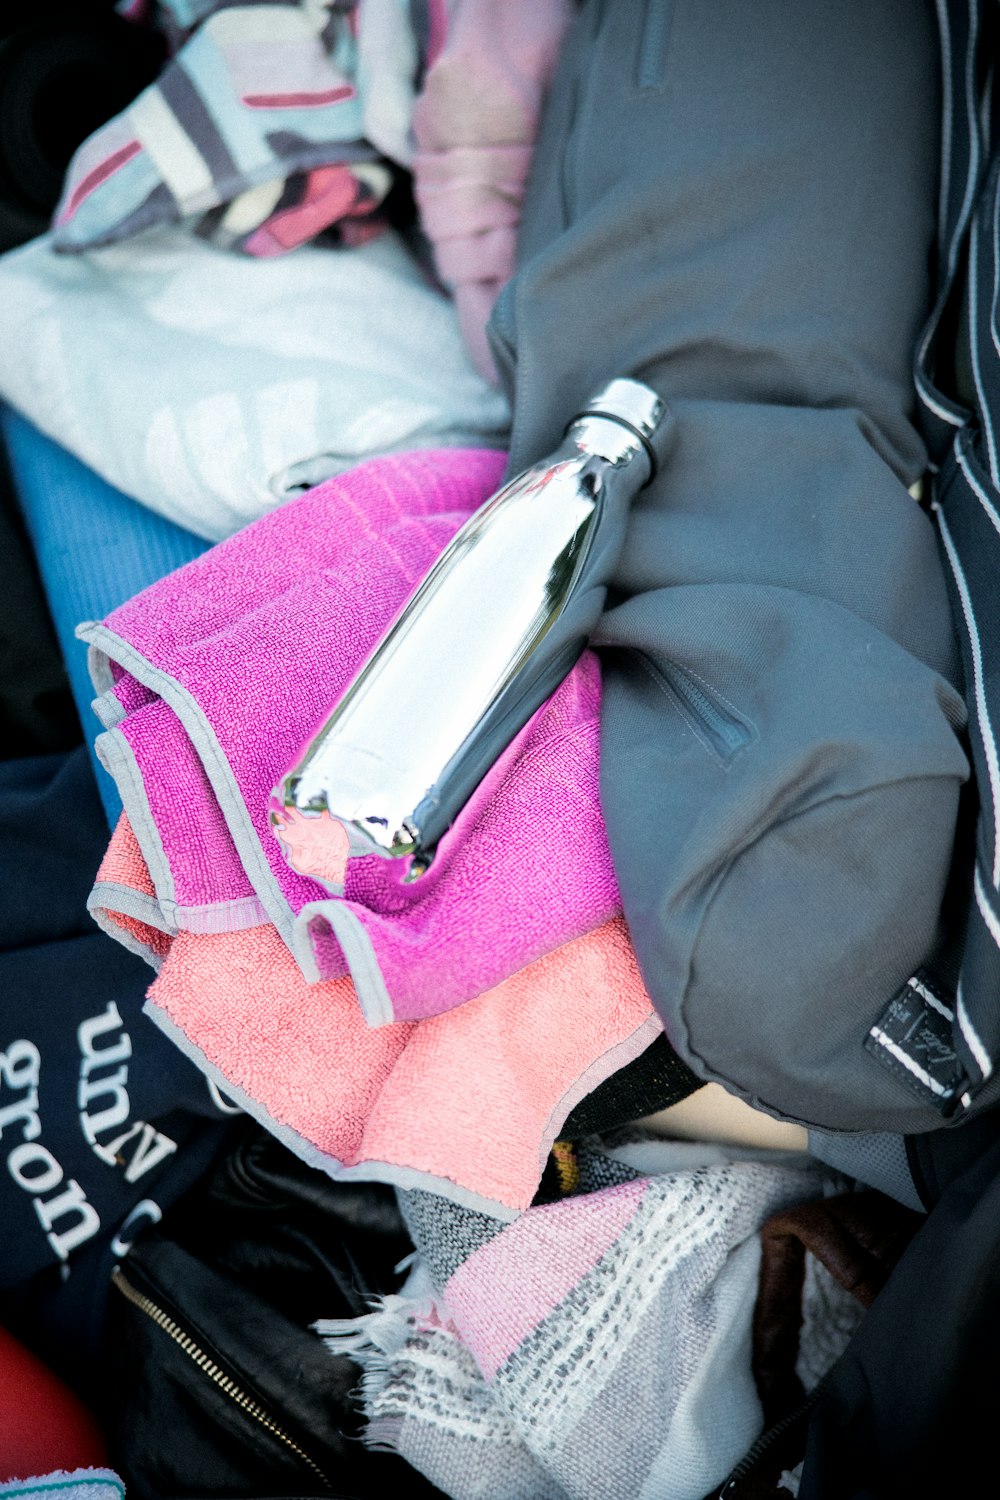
95,548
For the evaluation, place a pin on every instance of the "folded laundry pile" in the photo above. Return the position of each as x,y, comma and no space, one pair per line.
270,375
600,1345
513,959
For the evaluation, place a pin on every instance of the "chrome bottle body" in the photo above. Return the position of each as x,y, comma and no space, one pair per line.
488,634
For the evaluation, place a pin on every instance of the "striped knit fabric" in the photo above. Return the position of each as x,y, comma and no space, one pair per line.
255,131
960,401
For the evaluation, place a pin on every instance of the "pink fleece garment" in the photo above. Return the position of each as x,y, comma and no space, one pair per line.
467,1103
246,649
475,123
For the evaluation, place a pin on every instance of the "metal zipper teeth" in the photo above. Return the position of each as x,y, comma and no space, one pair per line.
768,1440
210,1368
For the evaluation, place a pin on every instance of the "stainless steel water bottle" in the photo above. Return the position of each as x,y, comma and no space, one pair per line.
485,638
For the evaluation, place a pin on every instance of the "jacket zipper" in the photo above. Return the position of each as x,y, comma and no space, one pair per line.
208,1366
765,1445
725,731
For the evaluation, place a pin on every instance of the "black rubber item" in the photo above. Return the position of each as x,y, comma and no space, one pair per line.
653,1081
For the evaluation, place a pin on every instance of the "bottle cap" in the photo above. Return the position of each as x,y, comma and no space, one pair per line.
635,406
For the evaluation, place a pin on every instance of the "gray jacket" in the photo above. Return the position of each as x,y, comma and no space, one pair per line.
737,204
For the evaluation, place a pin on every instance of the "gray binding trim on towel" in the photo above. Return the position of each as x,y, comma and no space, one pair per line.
223,916
369,982
115,754
110,896
98,662
373,997
108,709
236,915
99,909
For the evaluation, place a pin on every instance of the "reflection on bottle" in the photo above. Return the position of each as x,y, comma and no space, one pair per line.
483,641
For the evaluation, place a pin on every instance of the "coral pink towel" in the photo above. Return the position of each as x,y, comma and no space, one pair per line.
213,680
465,1104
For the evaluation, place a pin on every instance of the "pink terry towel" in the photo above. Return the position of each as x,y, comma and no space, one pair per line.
464,1104
214,679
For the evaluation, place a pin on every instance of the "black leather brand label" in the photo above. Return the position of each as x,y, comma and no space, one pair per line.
913,1039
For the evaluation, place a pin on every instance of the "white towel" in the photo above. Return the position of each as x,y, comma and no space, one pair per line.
211,387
